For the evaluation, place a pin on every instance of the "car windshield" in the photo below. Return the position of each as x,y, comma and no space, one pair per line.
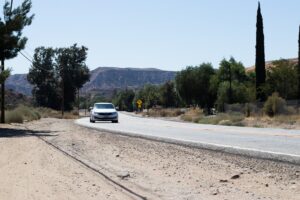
104,106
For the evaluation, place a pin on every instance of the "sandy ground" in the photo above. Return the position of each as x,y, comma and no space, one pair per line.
30,169
122,167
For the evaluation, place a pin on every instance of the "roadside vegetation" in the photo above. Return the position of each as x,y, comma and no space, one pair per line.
23,113
164,112
228,94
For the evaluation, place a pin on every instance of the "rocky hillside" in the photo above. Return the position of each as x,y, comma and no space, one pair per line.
269,64
19,84
104,80
107,78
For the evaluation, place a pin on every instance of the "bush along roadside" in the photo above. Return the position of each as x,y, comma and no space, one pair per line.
21,114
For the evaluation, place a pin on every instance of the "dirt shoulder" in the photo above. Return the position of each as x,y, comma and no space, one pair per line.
152,169
30,169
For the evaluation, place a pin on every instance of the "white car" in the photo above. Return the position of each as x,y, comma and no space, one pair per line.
104,112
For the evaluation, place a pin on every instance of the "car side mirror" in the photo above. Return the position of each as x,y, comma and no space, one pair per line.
117,108
90,108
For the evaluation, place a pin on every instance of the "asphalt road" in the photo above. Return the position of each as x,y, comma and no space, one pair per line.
276,144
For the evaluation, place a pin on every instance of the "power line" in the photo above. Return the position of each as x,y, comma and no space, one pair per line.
32,63
28,54
26,57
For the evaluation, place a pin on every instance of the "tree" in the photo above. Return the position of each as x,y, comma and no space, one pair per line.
231,83
4,75
282,78
81,72
240,94
193,85
72,72
260,69
57,75
149,94
184,81
43,78
11,40
231,71
124,100
168,95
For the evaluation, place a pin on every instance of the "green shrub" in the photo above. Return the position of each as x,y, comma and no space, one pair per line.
274,105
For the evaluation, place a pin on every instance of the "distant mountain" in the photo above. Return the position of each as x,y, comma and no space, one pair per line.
269,64
19,84
104,80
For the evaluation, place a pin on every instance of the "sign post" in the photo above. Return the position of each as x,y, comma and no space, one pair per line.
139,103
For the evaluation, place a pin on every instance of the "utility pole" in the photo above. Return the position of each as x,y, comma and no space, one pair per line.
230,85
2,96
63,92
78,104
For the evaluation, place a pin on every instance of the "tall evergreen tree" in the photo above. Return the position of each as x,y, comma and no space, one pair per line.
11,40
260,69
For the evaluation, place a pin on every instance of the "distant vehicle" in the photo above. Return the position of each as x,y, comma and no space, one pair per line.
104,112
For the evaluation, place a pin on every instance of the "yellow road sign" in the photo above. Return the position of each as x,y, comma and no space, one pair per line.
139,102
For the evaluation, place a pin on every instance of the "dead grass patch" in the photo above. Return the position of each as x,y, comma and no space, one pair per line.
193,115
232,119
164,112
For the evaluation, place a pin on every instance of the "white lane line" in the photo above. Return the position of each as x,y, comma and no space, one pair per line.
241,148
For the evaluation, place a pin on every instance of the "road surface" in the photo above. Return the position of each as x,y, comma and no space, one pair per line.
275,144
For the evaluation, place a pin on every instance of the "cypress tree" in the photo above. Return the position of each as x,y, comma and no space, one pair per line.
260,69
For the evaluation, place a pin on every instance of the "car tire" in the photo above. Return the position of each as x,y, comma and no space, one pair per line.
115,121
92,121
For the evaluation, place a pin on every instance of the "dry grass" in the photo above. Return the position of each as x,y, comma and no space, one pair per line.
50,113
21,114
290,120
279,121
232,119
193,115
196,115
164,112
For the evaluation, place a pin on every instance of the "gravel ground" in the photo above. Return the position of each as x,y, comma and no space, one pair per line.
134,168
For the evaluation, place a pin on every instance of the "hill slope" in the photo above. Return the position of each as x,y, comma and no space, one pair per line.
19,84
269,64
104,80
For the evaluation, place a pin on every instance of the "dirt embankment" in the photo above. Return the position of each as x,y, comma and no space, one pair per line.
88,164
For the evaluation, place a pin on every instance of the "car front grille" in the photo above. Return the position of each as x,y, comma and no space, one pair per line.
105,114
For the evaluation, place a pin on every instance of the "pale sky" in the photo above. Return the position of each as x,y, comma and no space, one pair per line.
164,34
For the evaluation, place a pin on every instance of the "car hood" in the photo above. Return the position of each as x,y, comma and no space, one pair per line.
104,110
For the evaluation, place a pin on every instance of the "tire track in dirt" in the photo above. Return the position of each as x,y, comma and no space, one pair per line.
114,182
